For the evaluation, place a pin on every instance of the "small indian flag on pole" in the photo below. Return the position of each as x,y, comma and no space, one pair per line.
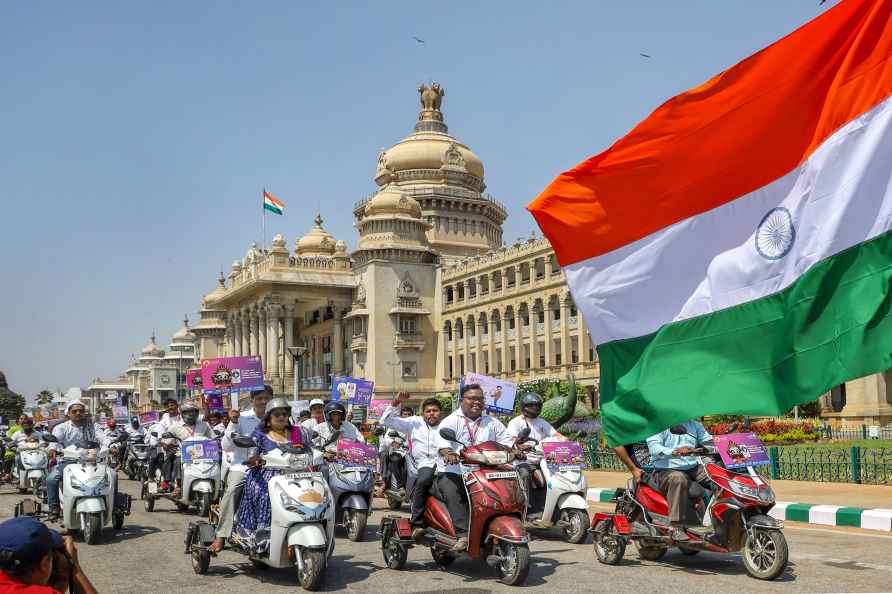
273,204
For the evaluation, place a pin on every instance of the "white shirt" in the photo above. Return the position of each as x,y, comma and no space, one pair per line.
200,429
20,436
348,433
68,433
247,423
422,437
310,424
540,430
469,432
169,421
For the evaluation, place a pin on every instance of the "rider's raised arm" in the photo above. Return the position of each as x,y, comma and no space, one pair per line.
391,418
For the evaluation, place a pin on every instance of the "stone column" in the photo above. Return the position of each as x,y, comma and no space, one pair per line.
549,339
518,333
442,352
273,312
491,353
866,400
467,340
254,345
478,344
337,339
288,322
246,334
505,357
263,341
565,330
455,369
534,338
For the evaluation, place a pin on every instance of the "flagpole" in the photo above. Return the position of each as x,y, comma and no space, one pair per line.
263,217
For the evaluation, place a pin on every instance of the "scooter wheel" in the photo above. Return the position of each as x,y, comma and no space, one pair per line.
395,554
92,528
313,573
201,560
576,525
765,554
515,564
609,546
204,504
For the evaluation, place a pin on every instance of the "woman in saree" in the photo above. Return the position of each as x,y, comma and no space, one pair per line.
254,513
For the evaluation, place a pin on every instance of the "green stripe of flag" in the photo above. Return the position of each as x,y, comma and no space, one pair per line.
761,357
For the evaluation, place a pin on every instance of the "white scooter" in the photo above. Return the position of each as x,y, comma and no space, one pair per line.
303,516
200,484
89,491
31,465
564,505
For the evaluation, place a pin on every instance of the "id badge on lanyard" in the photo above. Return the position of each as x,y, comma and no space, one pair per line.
472,433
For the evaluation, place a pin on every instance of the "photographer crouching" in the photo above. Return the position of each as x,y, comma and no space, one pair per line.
37,560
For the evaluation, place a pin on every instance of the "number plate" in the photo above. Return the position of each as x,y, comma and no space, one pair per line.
501,475
304,475
153,488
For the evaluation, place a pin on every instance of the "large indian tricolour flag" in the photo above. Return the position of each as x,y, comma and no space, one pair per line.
733,252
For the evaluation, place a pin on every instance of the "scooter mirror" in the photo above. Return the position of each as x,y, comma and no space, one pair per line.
524,434
50,438
393,434
243,442
448,434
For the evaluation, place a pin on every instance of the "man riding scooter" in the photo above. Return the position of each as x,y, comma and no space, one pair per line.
387,468
470,428
423,438
189,427
317,414
243,425
675,467
540,430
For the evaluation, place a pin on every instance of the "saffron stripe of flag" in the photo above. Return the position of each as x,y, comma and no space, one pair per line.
273,204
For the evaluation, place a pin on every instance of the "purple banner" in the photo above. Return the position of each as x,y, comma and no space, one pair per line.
238,374
376,409
207,449
563,455
215,402
120,412
741,449
355,391
355,454
148,417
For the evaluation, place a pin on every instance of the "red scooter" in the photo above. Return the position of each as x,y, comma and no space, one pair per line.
734,518
496,532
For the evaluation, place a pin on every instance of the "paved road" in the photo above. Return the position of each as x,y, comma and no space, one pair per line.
146,556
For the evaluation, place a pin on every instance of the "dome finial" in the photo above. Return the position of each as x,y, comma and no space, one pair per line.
318,220
186,321
431,118
221,279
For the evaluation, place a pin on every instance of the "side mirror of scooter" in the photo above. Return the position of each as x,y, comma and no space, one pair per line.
243,441
50,438
393,434
218,433
449,435
523,435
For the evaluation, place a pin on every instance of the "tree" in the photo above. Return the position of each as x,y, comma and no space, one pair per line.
11,404
44,397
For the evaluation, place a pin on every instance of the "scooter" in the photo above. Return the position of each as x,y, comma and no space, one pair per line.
557,498
199,486
403,472
302,527
351,487
136,459
31,466
497,505
88,491
732,518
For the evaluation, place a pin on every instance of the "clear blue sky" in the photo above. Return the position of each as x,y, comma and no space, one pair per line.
135,137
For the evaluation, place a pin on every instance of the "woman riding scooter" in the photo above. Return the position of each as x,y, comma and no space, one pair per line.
254,514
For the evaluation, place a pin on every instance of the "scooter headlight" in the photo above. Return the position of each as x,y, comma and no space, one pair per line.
751,491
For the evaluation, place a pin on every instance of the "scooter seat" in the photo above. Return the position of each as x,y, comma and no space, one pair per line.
695,489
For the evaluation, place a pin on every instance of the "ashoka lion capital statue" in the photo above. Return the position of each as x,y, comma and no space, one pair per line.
431,96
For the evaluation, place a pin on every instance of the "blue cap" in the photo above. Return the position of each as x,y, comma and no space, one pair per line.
24,541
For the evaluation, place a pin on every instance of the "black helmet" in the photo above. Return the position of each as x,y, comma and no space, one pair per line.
530,399
334,406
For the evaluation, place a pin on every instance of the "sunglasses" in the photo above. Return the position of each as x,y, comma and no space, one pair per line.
278,413
476,400
76,411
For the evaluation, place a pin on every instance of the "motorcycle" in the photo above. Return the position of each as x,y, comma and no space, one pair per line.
556,498
31,466
403,472
199,485
351,488
730,515
497,509
136,458
88,491
302,527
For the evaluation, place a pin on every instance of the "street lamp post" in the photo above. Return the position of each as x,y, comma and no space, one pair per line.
296,353
393,365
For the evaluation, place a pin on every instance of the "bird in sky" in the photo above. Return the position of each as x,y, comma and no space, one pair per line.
419,40
644,55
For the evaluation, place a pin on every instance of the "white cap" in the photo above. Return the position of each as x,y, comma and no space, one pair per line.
316,401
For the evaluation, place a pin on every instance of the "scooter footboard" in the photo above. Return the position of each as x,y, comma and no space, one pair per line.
508,528
309,535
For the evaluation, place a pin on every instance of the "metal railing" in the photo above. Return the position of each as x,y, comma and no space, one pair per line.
861,465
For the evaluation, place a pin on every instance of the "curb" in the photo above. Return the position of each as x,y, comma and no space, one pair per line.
824,515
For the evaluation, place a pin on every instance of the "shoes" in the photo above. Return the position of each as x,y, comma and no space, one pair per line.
418,532
461,545
679,535
54,514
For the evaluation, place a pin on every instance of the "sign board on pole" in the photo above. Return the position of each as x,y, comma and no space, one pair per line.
237,374
499,394
352,390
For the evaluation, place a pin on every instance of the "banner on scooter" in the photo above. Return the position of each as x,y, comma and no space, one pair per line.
741,449
376,409
355,455
200,450
563,455
352,390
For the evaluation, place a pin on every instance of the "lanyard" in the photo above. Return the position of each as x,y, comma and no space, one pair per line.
472,434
